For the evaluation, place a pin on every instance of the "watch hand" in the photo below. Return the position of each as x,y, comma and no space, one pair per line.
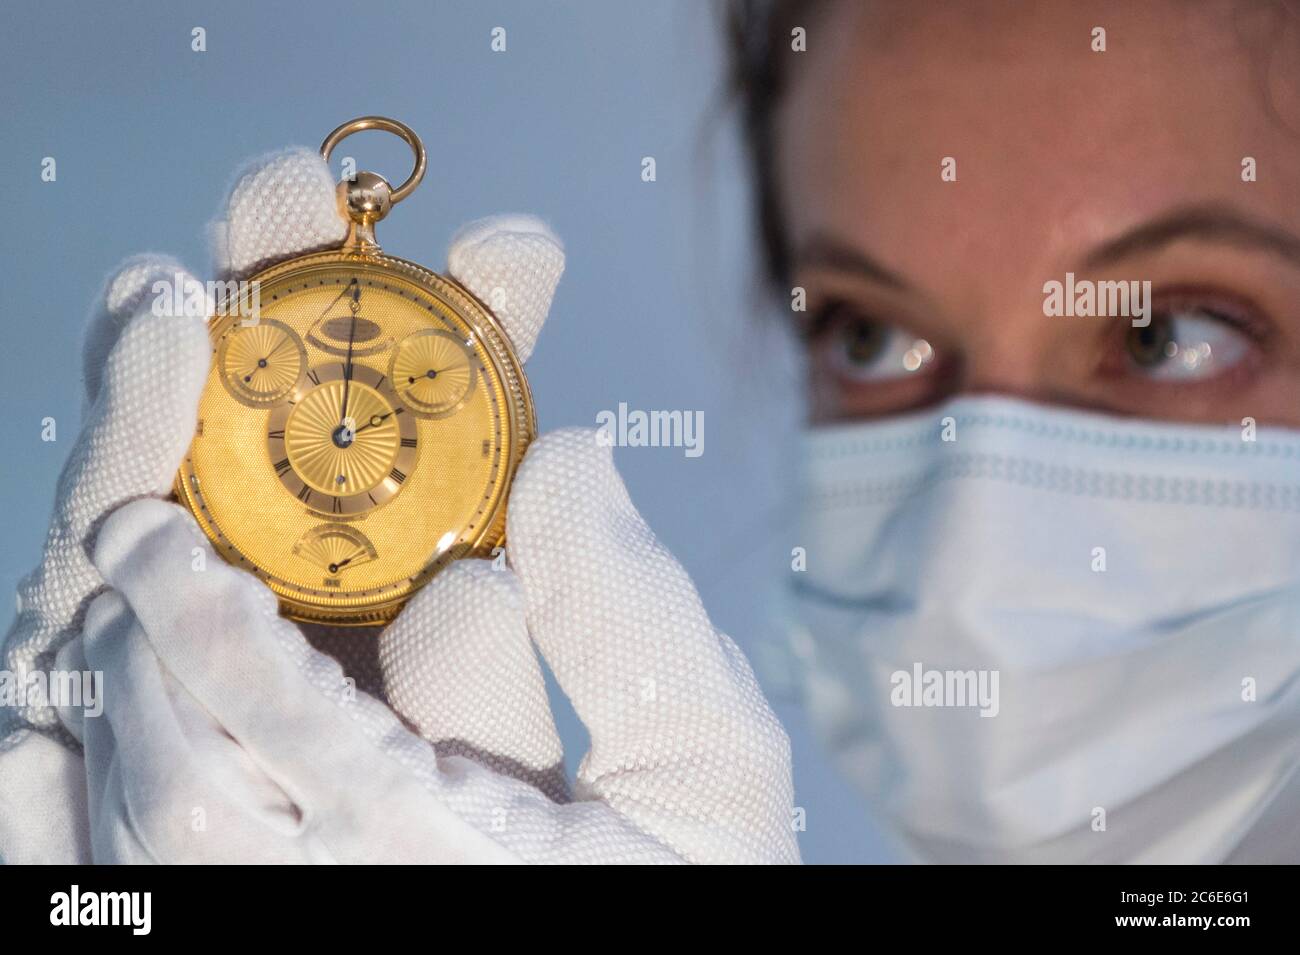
375,419
261,363
352,332
347,290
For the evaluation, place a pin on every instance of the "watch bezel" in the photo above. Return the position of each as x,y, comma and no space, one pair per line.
520,414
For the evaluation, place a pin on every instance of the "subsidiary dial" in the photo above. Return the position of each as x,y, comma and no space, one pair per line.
261,364
334,548
433,372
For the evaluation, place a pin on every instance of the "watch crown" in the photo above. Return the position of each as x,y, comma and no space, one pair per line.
367,197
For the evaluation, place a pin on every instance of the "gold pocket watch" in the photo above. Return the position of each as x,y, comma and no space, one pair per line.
360,432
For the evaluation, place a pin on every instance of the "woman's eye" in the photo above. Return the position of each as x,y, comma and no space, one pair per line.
860,349
1186,343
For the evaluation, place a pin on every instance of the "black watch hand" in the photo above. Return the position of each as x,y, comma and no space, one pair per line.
375,419
261,363
352,332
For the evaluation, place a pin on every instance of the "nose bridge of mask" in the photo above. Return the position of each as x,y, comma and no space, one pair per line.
1050,510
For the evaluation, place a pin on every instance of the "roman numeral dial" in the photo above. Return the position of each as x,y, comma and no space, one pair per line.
345,445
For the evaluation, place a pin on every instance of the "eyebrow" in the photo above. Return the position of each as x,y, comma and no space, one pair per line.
828,252
1218,224
1206,223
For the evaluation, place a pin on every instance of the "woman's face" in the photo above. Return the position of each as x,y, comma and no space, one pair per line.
1118,165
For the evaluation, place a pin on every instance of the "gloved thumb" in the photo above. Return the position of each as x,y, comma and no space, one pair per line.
459,668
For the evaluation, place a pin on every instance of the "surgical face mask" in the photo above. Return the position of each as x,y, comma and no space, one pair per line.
1040,635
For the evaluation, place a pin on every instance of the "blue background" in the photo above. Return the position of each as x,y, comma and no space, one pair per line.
658,308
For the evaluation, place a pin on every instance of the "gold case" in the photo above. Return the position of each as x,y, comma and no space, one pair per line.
346,521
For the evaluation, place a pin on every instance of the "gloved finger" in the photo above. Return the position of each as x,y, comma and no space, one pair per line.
43,819
513,264
70,661
675,715
282,204
166,783
459,667
144,401
342,756
130,290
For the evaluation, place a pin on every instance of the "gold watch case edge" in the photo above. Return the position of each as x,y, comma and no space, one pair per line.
522,420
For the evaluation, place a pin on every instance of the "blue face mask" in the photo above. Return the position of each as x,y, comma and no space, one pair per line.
1033,634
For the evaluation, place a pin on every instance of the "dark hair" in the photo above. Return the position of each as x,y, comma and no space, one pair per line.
758,36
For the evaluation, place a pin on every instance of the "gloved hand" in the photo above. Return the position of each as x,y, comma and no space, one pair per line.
227,736
143,375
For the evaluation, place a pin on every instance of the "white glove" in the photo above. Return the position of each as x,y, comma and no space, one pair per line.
227,737
138,415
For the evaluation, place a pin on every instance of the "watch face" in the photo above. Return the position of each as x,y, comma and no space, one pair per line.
357,436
